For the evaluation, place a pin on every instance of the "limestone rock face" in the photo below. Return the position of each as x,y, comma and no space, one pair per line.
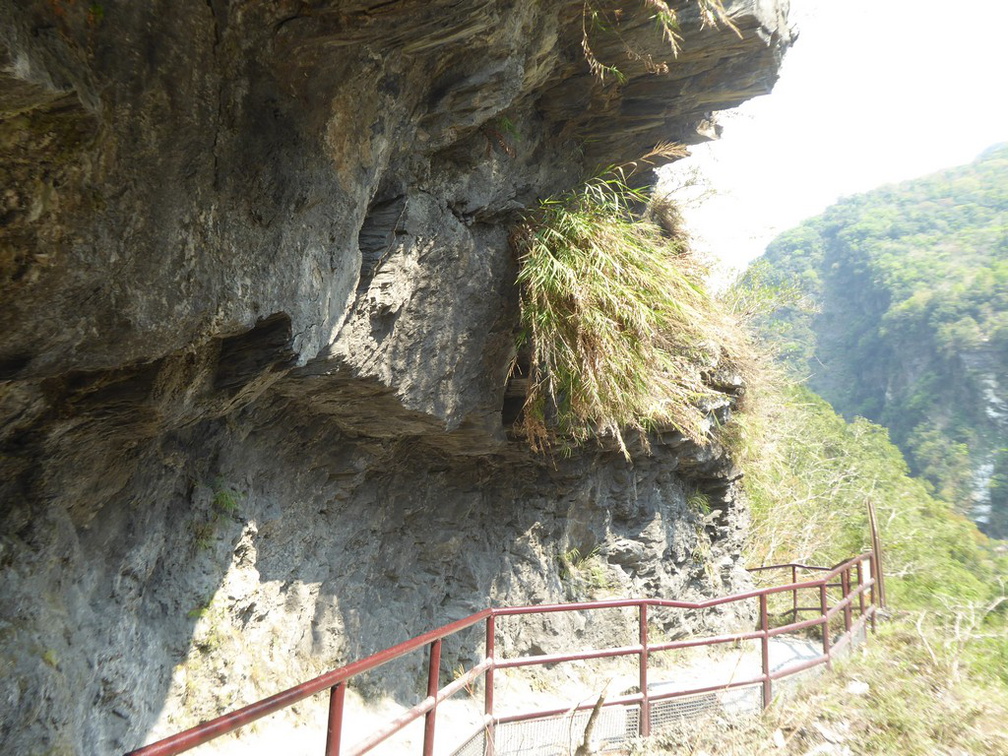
257,319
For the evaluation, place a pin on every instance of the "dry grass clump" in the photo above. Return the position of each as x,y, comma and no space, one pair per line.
606,16
893,695
619,327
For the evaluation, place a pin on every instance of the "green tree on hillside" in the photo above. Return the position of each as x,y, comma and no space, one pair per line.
911,324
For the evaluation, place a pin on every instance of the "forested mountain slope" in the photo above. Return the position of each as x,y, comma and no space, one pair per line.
909,322
934,677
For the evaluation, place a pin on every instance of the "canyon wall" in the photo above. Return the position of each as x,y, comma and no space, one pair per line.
258,314
909,323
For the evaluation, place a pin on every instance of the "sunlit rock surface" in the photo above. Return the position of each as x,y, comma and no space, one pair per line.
257,320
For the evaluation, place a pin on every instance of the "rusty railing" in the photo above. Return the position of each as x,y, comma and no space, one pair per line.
853,590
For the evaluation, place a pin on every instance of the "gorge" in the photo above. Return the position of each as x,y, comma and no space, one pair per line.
909,323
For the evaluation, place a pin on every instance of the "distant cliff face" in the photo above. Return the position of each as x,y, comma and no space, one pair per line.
912,328
257,320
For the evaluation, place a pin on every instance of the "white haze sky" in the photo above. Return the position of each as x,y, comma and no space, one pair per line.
872,92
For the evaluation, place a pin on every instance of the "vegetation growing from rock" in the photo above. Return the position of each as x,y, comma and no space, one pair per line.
619,327
911,287
809,476
898,694
935,678
606,18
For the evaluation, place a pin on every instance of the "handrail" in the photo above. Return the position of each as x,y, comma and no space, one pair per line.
800,566
232,721
854,594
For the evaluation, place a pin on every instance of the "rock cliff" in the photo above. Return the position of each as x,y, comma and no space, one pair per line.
912,328
257,322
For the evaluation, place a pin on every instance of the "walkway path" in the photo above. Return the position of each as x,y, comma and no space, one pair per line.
703,668
302,731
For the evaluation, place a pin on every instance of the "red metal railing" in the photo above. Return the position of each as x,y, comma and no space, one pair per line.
853,591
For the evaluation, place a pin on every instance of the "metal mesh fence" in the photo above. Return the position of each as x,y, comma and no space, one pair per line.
674,710
785,687
616,726
741,701
475,746
559,736
859,635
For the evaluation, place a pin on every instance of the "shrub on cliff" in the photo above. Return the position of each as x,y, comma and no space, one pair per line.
618,325
607,18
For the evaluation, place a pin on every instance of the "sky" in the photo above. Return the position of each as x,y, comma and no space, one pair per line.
872,92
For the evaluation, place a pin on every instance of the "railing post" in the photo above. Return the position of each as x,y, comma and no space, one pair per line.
645,712
824,609
765,650
879,596
430,718
860,585
845,587
334,728
873,596
488,684
794,593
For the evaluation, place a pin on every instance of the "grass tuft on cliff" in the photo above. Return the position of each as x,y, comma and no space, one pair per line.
619,327
607,18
